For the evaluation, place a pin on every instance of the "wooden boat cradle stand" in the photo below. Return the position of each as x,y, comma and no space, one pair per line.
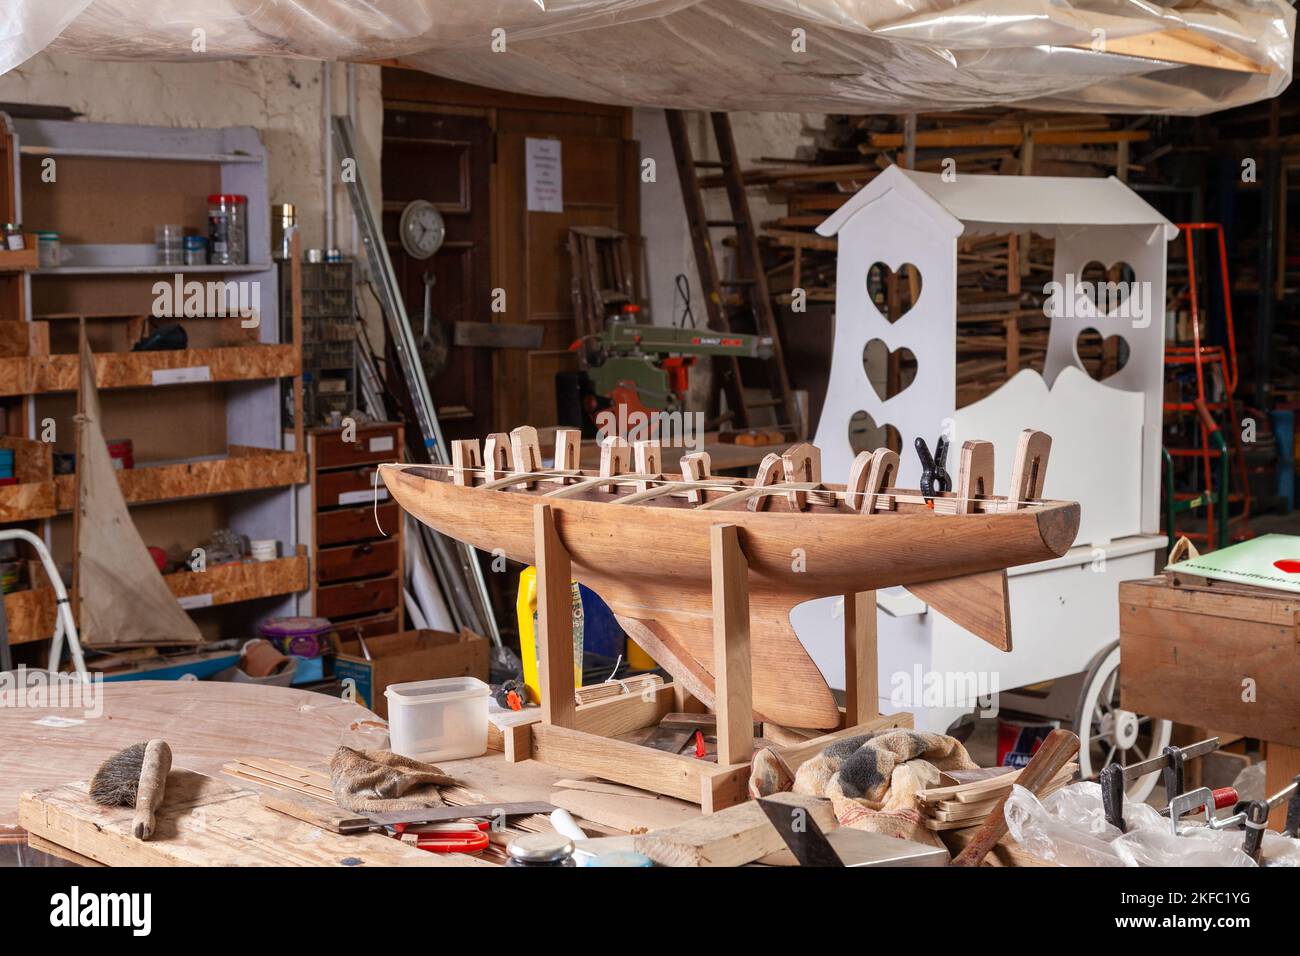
725,562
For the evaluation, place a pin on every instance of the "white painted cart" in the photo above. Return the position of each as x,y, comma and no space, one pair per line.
1105,451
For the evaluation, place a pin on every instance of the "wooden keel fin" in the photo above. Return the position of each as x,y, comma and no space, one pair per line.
977,602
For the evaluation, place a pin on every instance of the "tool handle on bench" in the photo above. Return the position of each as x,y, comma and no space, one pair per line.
1053,754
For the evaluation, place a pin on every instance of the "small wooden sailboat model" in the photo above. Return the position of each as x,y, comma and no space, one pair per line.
640,539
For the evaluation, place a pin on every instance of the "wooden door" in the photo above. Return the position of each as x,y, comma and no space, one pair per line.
445,158
600,188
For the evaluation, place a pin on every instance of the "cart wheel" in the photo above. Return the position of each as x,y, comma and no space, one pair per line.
1108,733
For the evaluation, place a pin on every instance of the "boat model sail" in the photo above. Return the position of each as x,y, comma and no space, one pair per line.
640,539
122,600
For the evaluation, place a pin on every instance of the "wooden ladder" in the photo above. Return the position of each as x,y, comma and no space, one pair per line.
748,290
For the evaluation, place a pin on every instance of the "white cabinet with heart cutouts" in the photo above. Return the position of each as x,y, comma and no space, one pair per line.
1106,434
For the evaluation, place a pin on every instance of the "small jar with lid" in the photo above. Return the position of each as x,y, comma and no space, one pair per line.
540,849
14,236
227,229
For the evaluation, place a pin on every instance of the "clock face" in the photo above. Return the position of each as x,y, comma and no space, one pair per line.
422,229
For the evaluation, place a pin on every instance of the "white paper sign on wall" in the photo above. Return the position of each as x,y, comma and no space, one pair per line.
544,174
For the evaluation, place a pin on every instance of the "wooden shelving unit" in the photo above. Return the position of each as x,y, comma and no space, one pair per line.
31,613
205,421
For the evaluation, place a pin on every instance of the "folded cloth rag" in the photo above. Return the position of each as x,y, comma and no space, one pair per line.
872,780
379,781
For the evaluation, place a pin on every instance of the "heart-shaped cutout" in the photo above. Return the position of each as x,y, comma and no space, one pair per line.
888,372
1107,290
866,435
1101,356
1289,565
894,294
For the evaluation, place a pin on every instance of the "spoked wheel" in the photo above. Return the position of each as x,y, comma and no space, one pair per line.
1108,733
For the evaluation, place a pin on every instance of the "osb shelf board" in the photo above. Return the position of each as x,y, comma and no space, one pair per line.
26,501
230,583
30,613
232,363
244,469
33,496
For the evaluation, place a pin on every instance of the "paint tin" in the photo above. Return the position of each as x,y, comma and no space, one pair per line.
301,636
264,549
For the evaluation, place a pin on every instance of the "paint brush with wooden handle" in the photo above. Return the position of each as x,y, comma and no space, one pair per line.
136,777
1053,754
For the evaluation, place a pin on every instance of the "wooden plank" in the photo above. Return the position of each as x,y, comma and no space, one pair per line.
316,812
554,621
1011,136
208,822
733,690
1220,599
632,812
1281,766
498,335
623,762
861,690
731,837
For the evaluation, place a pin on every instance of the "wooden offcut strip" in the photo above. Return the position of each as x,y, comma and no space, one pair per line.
731,837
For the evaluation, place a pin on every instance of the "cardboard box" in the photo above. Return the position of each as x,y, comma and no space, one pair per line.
411,655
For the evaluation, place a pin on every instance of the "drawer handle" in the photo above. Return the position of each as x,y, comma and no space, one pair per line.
366,548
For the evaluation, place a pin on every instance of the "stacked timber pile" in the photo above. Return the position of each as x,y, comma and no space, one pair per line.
965,798
1001,325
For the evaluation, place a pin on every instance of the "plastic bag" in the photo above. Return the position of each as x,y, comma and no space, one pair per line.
1188,56
1069,828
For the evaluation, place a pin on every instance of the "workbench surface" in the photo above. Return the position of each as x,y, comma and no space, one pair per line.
210,724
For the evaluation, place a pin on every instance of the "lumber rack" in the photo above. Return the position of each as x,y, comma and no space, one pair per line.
585,737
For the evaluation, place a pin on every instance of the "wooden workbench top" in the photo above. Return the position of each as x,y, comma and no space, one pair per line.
209,724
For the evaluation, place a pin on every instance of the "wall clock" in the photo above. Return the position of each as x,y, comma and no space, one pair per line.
422,229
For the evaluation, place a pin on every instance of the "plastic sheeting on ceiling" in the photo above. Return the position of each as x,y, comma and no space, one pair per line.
1169,56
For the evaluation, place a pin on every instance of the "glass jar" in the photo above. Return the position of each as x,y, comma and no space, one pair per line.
167,239
13,235
47,250
227,229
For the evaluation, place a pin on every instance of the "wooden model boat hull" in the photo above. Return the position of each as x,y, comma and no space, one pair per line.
651,564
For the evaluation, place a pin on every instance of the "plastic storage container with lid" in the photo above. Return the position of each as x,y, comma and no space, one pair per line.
444,719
